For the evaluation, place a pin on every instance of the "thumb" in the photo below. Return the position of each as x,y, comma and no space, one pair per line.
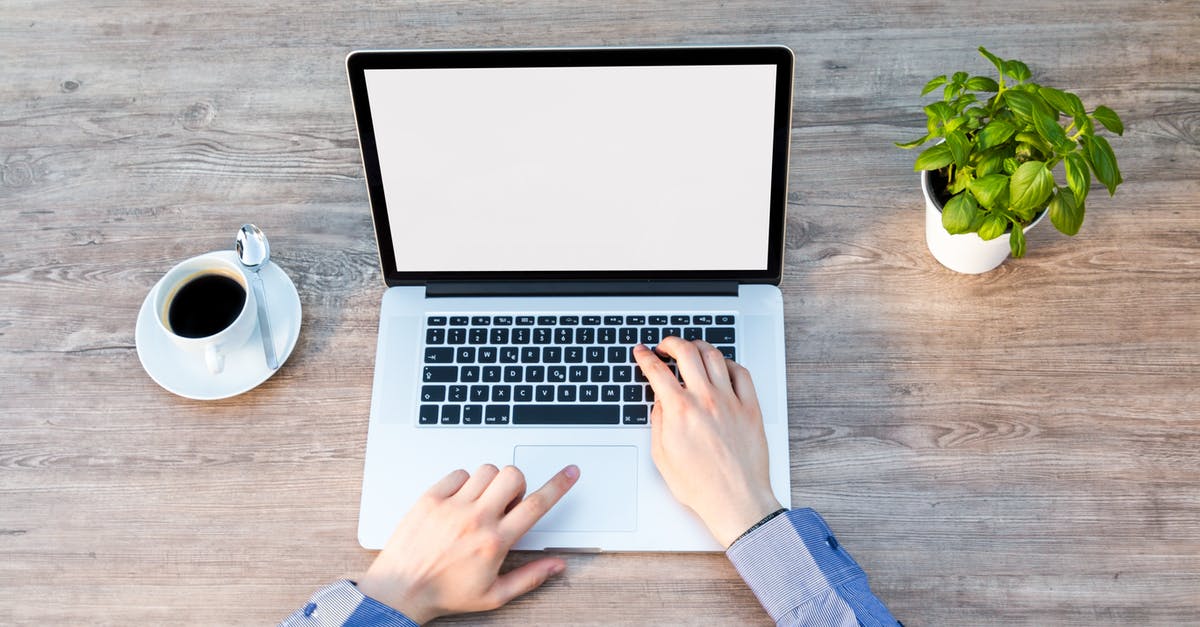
520,580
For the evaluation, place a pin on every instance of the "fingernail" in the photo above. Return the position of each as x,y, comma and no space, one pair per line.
571,471
558,568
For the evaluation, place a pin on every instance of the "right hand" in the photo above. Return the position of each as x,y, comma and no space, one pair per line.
707,438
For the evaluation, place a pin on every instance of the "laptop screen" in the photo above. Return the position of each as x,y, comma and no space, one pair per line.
592,170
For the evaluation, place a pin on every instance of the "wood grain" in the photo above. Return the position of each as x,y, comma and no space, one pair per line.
1021,447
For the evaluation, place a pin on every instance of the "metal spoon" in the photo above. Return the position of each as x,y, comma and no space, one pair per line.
254,253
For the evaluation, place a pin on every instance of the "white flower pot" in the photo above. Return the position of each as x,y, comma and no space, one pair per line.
967,253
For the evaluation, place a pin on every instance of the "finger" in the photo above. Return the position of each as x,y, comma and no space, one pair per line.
687,358
478,482
448,485
714,364
535,505
508,486
657,373
743,385
656,431
524,579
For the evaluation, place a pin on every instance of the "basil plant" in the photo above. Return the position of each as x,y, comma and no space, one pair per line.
1000,144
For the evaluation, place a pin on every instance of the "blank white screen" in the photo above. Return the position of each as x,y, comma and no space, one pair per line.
576,169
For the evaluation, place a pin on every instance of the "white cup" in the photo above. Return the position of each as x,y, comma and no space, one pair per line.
214,347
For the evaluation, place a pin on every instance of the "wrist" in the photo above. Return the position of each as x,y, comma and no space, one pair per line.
393,596
737,520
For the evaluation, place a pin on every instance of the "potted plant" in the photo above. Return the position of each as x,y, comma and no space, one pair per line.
989,176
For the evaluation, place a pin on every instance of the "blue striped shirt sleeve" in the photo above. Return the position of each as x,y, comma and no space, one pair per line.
341,604
802,576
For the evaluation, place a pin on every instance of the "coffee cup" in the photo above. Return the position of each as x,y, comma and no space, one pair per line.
204,305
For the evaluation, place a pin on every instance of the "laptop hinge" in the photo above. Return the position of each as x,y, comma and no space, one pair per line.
580,288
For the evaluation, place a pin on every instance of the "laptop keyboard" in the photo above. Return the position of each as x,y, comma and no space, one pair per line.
549,369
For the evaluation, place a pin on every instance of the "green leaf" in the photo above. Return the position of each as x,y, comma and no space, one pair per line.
1010,165
1079,178
1062,101
1017,70
982,83
914,143
993,58
933,84
1021,103
1065,212
933,158
993,227
990,162
959,77
1035,141
1104,163
958,214
1016,243
1109,119
990,190
1047,126
959,147
995,133
939,111
1030,186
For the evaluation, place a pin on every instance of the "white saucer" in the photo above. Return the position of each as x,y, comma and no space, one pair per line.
185,374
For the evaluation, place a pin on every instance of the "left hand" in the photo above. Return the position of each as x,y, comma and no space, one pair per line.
445,555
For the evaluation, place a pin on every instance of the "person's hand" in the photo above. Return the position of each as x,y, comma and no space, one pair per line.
707,438
445,555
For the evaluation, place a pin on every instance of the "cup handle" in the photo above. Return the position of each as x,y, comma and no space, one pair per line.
214,360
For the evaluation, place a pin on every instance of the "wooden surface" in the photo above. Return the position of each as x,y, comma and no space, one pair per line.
1017,447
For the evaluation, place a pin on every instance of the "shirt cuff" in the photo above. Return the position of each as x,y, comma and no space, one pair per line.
792,560
341,603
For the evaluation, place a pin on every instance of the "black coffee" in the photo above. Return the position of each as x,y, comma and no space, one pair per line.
206,305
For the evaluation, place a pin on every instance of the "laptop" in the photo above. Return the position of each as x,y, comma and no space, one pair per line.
538,212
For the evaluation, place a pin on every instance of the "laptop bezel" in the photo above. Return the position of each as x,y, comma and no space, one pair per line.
358,62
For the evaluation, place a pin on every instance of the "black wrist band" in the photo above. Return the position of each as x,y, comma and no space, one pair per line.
766,519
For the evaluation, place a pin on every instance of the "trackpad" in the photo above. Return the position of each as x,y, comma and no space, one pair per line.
604,498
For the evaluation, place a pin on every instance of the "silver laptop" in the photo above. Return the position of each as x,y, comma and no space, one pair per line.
539,212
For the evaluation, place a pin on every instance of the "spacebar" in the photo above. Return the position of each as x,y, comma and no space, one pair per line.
566,414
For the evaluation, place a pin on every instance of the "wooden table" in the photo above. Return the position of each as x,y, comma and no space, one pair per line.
1017,447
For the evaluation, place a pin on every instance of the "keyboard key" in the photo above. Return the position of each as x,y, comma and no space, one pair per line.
478,336
535,374
451,414
487,355
635,414
568,320
428,415
638,320
544,393
607,335
523,393
433,393
640,376
622,374
498,336
469,374
458,393
599,374
702,319
501,393
577,374
525,321
629,335
542,335
457,336
573,355
614,320
481,321
472,414
671,331
512,374
650,335
563,335
495,415
718,335
459,321
632,393
594,354
547,320
436,321
591,320
589,393
504,321
556,374
566,394
510,355
728,352
465,355
531,355
618,355
725,320
658,320
491,374
440,374
520,336
681,320
557,415
585,335
649,394
479,393
552,355
439,355
693,333
435,336
610,393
